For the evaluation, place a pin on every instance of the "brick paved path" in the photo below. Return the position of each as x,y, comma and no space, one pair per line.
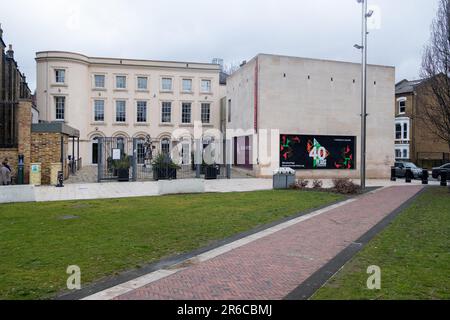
273,266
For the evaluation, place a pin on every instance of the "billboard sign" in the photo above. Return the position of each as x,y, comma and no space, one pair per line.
315,152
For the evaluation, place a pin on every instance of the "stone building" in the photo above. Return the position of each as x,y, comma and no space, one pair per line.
20,134
305,114
15,108
126,98
414,141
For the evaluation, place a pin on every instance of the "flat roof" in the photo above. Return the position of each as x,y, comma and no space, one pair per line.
55,127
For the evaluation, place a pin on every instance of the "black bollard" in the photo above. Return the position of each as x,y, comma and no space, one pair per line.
408,175
444,178
60,180
424,176
393,177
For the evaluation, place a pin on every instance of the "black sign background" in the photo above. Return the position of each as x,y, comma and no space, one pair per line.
315,152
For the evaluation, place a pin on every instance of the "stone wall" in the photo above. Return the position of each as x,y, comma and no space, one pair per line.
46,149
24,138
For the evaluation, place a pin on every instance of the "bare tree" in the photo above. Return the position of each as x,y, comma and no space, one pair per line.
436,72
230,68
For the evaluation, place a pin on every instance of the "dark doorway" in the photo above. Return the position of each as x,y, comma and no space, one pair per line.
95,151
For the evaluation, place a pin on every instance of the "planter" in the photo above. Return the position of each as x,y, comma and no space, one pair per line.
211,172
123,174
165,173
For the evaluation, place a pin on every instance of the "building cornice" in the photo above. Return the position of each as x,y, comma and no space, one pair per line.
100,61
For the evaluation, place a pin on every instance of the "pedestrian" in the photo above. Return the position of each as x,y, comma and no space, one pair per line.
5,174
6,164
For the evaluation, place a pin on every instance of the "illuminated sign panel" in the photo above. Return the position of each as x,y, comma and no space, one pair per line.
314,152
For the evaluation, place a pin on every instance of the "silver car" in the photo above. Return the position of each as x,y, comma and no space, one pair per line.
401,167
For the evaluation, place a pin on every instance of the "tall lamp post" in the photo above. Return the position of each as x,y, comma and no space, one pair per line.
363,47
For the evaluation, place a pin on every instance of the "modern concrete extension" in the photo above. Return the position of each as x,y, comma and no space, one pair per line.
272,263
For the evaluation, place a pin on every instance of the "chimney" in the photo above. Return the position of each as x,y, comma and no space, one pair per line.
1,31
243,63
10,52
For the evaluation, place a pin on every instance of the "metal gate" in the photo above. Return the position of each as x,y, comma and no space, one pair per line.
128,159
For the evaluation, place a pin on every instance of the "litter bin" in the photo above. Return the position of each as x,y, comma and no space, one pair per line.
35,174
283,178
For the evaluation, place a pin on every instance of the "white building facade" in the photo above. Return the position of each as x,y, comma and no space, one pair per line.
124,98
305,114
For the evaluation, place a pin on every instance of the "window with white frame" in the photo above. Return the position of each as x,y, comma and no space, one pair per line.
165,146
166,84
121,113
187,85
206,112
99,110
141,111
121,82
60,108
402,106
206,86
402,129
402,152
166,112
186,112
60,75
142,83
398,131
99,81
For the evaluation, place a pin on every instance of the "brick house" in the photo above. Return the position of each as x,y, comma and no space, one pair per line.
414,141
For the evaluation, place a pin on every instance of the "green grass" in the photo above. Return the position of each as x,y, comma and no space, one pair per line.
110,236
413,254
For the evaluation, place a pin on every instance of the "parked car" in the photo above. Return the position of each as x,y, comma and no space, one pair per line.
436,172
401,167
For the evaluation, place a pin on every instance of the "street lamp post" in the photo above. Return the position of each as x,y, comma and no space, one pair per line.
363,47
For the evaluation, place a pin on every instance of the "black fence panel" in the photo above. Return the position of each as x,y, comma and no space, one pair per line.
128,159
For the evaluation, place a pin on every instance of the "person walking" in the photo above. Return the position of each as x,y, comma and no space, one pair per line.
5,173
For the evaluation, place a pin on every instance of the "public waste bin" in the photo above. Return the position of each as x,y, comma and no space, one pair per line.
283,178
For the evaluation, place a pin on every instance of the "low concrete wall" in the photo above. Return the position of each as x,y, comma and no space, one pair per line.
22,193
181,186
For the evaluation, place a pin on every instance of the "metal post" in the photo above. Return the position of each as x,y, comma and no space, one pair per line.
100,158
363,47
62,155
78,154
73,155
228,158
134,165
198,157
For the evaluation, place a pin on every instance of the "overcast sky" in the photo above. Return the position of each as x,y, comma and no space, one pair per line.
235,30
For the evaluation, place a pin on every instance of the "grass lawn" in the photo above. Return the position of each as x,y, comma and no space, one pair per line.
37,243
413,254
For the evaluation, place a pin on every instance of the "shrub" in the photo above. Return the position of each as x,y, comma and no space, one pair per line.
317,184
163,160
345,186
300,184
